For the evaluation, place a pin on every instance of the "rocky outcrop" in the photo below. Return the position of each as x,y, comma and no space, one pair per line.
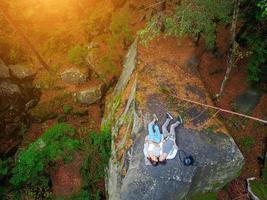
74,76
89,95
17,95
149,87
20,71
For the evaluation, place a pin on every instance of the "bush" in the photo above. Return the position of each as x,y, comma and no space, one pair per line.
77,55
259,188
247,143
96,148
193,18
32,165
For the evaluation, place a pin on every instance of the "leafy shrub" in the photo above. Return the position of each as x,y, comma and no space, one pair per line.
193,18
96,148
77,54
119,28
205,196
259,188
3,167
247,143
67,108
32,164
253,34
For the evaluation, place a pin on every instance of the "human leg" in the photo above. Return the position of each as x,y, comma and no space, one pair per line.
165,127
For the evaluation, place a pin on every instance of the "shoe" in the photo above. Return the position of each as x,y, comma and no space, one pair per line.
180,119
169,116
155,117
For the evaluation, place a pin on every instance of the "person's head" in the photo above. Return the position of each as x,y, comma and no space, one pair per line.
163,158
153,160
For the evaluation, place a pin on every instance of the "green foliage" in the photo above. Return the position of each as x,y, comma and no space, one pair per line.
67,108
263,6
119,28
151,31
247,143
264,171
192,18
259,188
96,148
77,54
55,144
253,34
258,57
3,167
205,196
199,16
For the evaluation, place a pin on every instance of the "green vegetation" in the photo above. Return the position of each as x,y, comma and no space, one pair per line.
264,171
205,196
259,188
247,143
67,108
192,18
253,35
3,167
96,148
32,165
77,55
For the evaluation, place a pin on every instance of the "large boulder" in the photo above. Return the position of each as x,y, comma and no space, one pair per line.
74,76
152,87
89,95
17,95
21,71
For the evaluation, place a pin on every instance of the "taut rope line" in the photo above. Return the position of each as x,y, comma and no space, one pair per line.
219,109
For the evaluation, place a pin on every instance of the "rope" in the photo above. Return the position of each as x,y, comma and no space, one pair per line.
220,109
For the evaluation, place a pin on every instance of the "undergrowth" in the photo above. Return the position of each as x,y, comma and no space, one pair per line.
34,163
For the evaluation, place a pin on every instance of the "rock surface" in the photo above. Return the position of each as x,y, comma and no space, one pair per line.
150,87
247,101
89,95
4,71
20,71
14,98
74,76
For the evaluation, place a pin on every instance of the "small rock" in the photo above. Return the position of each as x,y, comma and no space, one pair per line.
90,95
192,64
74,76
9,88
247,101
4,71
21,71
43,111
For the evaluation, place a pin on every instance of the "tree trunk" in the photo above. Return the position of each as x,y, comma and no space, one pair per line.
232,42
13,23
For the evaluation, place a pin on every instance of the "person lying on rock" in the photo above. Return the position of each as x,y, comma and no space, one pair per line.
152,142
169,146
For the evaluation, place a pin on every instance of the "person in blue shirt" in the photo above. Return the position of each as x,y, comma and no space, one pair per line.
153,141
154,134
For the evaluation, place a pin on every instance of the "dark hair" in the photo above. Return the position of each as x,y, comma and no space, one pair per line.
153,163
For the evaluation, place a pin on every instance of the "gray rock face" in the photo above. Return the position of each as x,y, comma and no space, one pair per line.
247,101
90,95
21,71
9,88
4,71
217,158
74,76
